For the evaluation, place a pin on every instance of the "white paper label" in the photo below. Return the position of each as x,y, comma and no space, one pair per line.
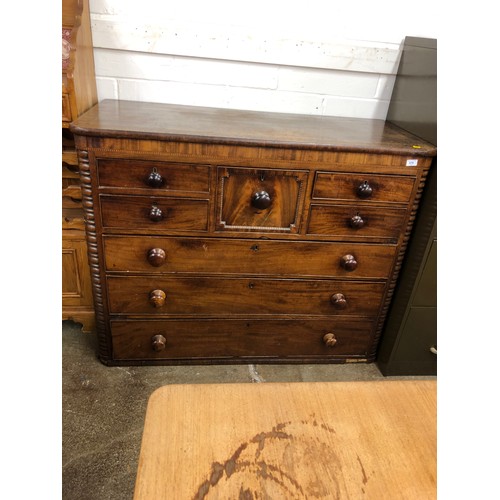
411,163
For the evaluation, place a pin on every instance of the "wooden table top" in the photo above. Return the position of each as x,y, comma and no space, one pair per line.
344,440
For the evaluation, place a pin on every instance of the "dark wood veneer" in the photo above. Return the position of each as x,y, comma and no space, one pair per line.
223,236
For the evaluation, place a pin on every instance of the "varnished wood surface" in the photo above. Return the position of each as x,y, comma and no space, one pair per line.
134,174
343,187
141,120
347,440
248,201
133,212
80,90
209,296
335,220
239,340
77,304
237,187
79,93
255,257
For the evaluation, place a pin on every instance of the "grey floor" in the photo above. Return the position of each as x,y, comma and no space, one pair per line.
104,409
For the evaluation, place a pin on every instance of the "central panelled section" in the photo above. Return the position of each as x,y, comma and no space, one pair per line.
212,261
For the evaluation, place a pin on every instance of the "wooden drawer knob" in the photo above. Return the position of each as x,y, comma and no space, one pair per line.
339,300
329,339
154,179
155,214
364,190
157,257
158,342
157,298
356,222
261,200
349,262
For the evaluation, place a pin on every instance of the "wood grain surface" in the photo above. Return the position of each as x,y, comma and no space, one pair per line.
229,126
344,440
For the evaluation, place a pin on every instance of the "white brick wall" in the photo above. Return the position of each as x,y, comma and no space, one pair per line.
312,57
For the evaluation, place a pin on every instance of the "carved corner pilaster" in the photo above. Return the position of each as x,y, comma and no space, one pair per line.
397,267
104,345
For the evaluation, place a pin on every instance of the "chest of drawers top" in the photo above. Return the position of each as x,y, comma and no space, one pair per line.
142,120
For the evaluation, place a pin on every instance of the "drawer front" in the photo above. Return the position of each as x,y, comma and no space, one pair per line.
356,222
260,200
251,296
245,257
361,186
240,338
151,213
115,172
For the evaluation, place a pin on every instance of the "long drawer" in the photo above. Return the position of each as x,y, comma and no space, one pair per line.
208,296
246,257
223,339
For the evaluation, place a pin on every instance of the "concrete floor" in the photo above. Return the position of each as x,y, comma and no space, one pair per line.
104,409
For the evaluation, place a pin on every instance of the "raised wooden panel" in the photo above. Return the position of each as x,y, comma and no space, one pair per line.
70,269
238,206
76,285
66,109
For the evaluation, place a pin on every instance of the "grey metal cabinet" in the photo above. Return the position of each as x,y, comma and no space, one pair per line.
409,340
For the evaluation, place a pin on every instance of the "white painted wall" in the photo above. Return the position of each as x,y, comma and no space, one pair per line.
314,57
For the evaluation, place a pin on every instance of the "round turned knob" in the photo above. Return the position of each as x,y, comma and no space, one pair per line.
158,342
157,298
339,300
261,200
155,214
156,257
364,190
154,179
356,222
329,339
348,262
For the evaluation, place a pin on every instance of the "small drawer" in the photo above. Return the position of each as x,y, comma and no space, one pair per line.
152,213
142,174
364,222
223,339
241,297
247,257
362,187
260,200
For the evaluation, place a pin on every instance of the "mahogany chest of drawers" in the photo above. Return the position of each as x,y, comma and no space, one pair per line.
225,236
